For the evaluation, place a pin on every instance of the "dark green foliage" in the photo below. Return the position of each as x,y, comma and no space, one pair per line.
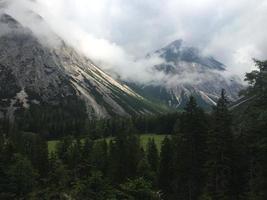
139,189
62,148
152,155
219,164
257,80
99,156
160,124
34,148
96,187
166,171
190,152
54,120
210,156
253,134
20,178
125,154
144,170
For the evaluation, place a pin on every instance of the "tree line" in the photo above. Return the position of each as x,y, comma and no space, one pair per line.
52,122
220,155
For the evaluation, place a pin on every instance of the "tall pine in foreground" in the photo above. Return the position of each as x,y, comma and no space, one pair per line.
190,152
124,156
254,129
219,163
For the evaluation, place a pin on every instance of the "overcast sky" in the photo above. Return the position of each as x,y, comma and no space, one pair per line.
116,32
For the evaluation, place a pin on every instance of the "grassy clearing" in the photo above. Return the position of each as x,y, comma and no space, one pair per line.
158,139
143,140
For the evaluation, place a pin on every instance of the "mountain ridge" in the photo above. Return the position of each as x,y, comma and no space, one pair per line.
47,75
188,72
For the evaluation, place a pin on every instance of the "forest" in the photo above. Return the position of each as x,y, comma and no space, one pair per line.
217,155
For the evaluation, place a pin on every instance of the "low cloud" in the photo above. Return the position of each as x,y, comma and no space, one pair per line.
108,55
118,34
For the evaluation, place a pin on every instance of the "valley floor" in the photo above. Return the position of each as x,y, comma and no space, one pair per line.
144,138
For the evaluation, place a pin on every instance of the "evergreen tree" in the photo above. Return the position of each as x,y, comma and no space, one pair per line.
87,150
99,158
190,152
95,187
139,189
21,177
152,155
73,158
124,157
166,172
144,169
219,165
253,128
6,161
58,176
34,147
62,148
134,155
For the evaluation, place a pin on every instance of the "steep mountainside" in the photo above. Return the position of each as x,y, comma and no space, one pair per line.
34,74
188,72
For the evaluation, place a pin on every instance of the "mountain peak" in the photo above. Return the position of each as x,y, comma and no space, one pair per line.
189,72
176,52
176,43
7,19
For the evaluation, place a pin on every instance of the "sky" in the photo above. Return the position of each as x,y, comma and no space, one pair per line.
117,34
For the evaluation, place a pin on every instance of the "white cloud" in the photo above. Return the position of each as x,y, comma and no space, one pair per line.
115,32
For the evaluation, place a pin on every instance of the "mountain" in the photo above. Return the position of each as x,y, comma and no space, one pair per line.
188,72
35,75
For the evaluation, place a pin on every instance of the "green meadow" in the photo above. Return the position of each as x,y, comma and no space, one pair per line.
143,140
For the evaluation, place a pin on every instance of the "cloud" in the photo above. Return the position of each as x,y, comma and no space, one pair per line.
107,54
117,34
21,11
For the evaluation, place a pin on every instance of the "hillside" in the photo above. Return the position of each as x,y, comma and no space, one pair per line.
38,76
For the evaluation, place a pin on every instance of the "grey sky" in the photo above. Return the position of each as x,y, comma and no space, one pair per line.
116,32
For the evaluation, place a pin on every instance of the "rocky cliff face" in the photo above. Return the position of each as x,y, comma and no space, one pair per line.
35,73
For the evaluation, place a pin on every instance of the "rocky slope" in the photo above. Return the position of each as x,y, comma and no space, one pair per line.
33,73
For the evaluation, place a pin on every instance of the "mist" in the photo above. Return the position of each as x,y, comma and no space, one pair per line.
118,34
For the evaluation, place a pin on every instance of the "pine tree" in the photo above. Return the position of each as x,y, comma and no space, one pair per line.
86,154
62,148
124,157
190,152
134,155
143,168
219,165
254,126
139,189
34,147
74,157
152,155
21,177
99,156
58,176
166,172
